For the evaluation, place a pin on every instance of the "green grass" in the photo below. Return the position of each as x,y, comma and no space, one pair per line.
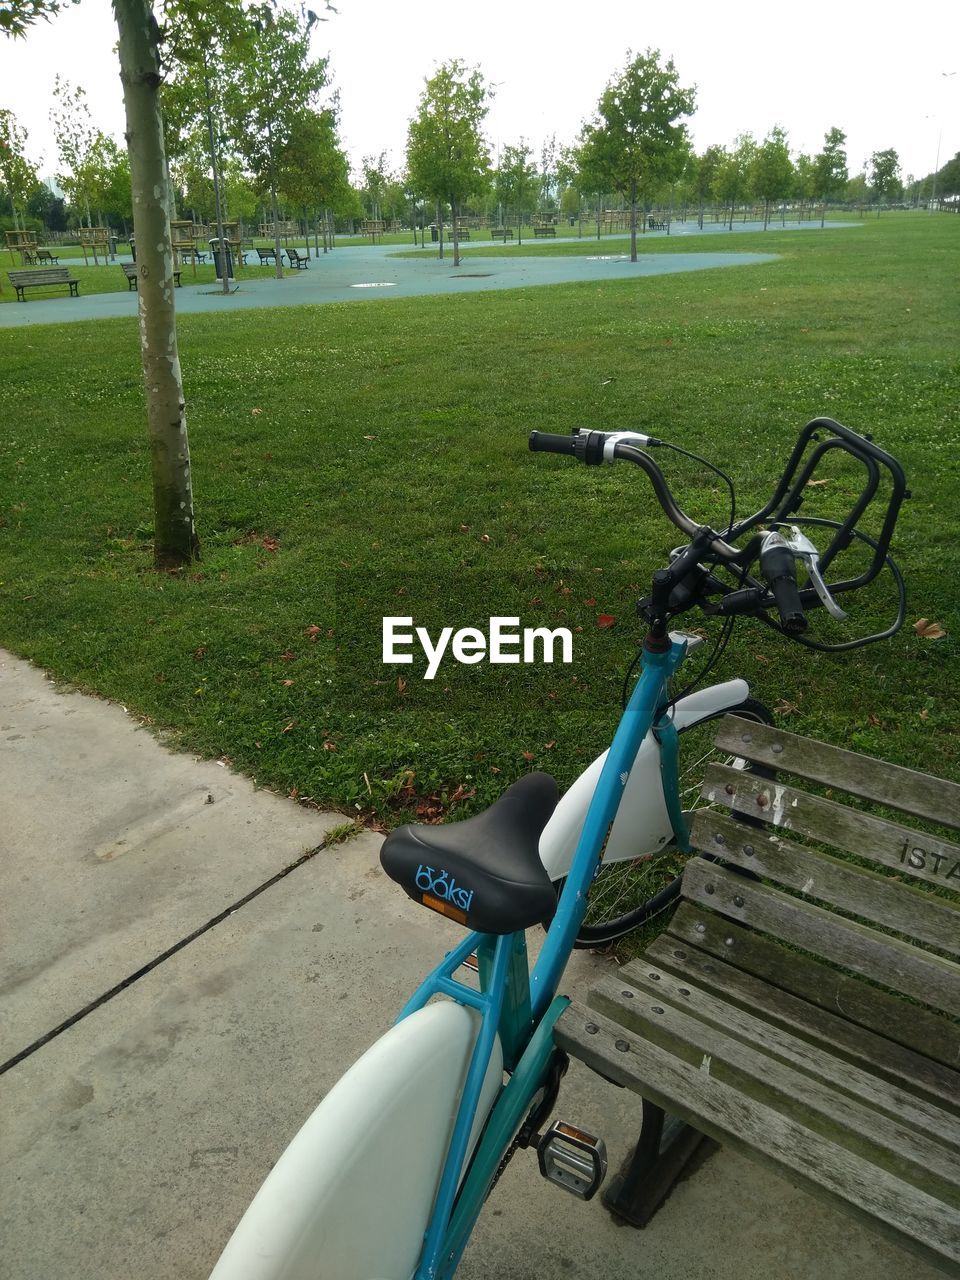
356,460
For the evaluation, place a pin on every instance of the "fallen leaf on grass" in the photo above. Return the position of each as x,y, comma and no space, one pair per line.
605,620
785,708
928,630
816,484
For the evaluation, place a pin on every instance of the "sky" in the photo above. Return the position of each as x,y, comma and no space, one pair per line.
887,74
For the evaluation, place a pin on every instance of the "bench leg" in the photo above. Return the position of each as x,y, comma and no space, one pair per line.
663,1150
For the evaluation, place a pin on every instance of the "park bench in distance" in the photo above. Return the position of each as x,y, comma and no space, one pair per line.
37,257
298,260
501,233
40,277
814,1041
655,224
547,229
130,271
266,256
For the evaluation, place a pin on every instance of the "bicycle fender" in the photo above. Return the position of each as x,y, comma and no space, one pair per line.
642,824
351,1195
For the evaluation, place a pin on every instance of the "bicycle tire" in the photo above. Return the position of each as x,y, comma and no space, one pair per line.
625,895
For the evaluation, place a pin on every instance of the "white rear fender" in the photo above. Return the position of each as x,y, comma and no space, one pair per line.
642,824
350,1197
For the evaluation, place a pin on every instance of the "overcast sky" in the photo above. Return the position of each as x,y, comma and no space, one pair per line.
887,74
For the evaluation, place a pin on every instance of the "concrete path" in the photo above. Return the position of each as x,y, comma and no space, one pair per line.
355,273
219,966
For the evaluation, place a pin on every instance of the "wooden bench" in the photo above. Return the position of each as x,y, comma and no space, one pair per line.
501,233
802,1004
44,255
655,224
298,260
41,277
266,256
129,269
547,229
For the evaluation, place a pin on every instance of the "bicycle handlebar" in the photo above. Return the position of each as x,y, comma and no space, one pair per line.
778,566
779,570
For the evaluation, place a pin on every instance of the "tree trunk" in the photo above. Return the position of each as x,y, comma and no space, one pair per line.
440,229
456,232
175,535
217,204
633,221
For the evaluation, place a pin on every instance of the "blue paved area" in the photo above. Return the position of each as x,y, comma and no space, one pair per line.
355,273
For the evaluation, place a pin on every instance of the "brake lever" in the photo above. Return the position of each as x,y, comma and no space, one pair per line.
804,550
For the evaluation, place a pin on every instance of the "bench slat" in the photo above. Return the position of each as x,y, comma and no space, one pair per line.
889,961
922,856
850,1041
766,1057
908,1213
889,785
863,892
817,984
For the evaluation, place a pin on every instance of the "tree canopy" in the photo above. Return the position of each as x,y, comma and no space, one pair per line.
637,138
447,156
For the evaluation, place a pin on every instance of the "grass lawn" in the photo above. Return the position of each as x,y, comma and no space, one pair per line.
356,460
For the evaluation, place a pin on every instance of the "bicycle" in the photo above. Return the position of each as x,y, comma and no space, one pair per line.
387,1177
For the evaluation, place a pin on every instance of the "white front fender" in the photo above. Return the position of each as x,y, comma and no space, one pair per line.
642,824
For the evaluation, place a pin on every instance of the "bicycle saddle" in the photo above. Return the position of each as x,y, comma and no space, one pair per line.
484,872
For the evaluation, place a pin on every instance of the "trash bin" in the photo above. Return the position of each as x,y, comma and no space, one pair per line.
133,249
220,255
434,232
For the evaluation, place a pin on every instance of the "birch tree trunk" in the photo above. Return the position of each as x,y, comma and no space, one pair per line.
175,537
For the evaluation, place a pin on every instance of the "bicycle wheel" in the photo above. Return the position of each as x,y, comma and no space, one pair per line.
626,894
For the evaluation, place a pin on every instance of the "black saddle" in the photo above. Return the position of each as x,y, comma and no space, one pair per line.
484,872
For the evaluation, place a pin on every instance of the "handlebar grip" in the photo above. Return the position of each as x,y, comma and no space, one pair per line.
545,442
779,568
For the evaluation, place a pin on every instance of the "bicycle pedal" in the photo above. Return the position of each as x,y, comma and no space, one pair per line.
572,1159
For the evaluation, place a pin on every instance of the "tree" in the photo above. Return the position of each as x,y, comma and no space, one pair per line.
704,177
270,84
175,538
109,175
733,172
312,166
636,139
517,183
830,175
18,177
76,139
447,156
375,180
772,171
549,174
885,175
804,180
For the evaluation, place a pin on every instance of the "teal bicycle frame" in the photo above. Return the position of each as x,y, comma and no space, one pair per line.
520,1006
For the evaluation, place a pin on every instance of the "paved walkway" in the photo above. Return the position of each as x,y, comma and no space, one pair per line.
188,966
354,273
